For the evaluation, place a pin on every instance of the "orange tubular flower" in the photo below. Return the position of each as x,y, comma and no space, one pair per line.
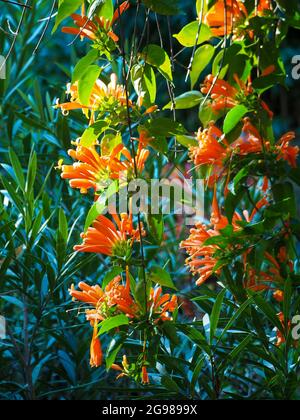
263,6
162,305
91,170
280,336
224,96
279,296
110,239
287,152
222,93
202,259
210,150
115,296
119,296
223,21
145,376
93,29
100,95
96,349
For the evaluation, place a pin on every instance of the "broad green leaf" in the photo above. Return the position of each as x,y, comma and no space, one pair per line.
112,323
89,137
188,35
164,127
233,117
87,82
103,8
65,9
157,57
109,142
83,64
187,141
186,100
144,82
162,277
203,57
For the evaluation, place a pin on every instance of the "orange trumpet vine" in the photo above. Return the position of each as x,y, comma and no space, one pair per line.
108,238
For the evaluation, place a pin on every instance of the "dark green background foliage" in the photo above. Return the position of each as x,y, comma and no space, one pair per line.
46,351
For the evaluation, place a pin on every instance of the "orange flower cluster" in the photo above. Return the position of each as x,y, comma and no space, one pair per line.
117,299
92,171
226,18
202,258
224,96
95,28
103,98
214,151
108,238
223,20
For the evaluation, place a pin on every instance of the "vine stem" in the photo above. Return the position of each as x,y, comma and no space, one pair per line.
130,129
25,7
45,28
196,41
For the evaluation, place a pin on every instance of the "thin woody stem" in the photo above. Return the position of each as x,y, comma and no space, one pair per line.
129,122
25,6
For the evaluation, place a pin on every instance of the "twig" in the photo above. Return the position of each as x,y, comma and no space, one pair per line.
133,149
196,42
25,6
45,28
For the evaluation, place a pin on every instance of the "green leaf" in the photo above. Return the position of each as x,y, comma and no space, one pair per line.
187,36
89,137
187,141
114,272
114,348
203,57
284,196
157,57
163,7
236,316
164,127
233,117
144,82
156,227
103,8
215,315
87,82
18,171
186,100
65,9
83,64
162,277
233,355
170,384
112,323
268,310
100,205
109,142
